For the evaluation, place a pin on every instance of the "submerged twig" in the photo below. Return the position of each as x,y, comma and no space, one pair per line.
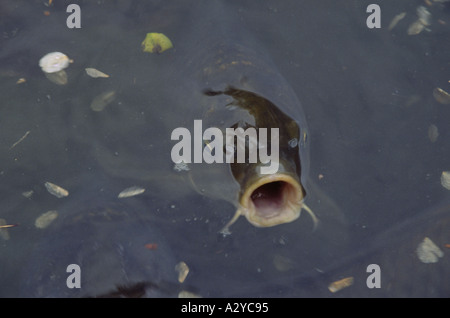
20,140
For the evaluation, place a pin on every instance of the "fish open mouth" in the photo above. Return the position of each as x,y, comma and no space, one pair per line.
272,200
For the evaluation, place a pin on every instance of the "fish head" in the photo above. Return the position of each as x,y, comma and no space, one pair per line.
269,200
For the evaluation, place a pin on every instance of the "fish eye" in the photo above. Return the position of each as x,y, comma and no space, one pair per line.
293,143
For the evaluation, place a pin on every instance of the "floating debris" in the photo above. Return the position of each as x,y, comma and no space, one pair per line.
445,179
54,62
53,65
7,226
101,101
131,192
181,166
441,96
156,43
428,252
21,80
396,20
151,246
340,284
46,219
56,190
4,234
187,294
424,17
433,133
20,140
183,271
415,28
92,72
28,194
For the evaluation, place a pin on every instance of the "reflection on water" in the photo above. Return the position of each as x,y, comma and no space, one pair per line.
368,99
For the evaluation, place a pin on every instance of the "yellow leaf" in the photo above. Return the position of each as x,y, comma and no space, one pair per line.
156,43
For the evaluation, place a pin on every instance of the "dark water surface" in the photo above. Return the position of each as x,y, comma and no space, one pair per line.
367,98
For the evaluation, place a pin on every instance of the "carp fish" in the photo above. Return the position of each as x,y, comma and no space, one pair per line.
264,199
238,86
221,75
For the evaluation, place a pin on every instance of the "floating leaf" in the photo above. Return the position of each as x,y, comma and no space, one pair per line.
396,19
28,194
56,190
428,252
46,219
156,43
445,179
130,192
441,96
92,72
424,20
340,284
54,62
424,15
416,27
188,294
183,271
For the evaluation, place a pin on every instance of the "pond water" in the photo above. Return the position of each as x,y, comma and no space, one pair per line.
374,172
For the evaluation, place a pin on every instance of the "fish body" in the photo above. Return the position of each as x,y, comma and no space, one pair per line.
230,82
107,240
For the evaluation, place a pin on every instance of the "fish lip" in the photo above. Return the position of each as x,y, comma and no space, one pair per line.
290,198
